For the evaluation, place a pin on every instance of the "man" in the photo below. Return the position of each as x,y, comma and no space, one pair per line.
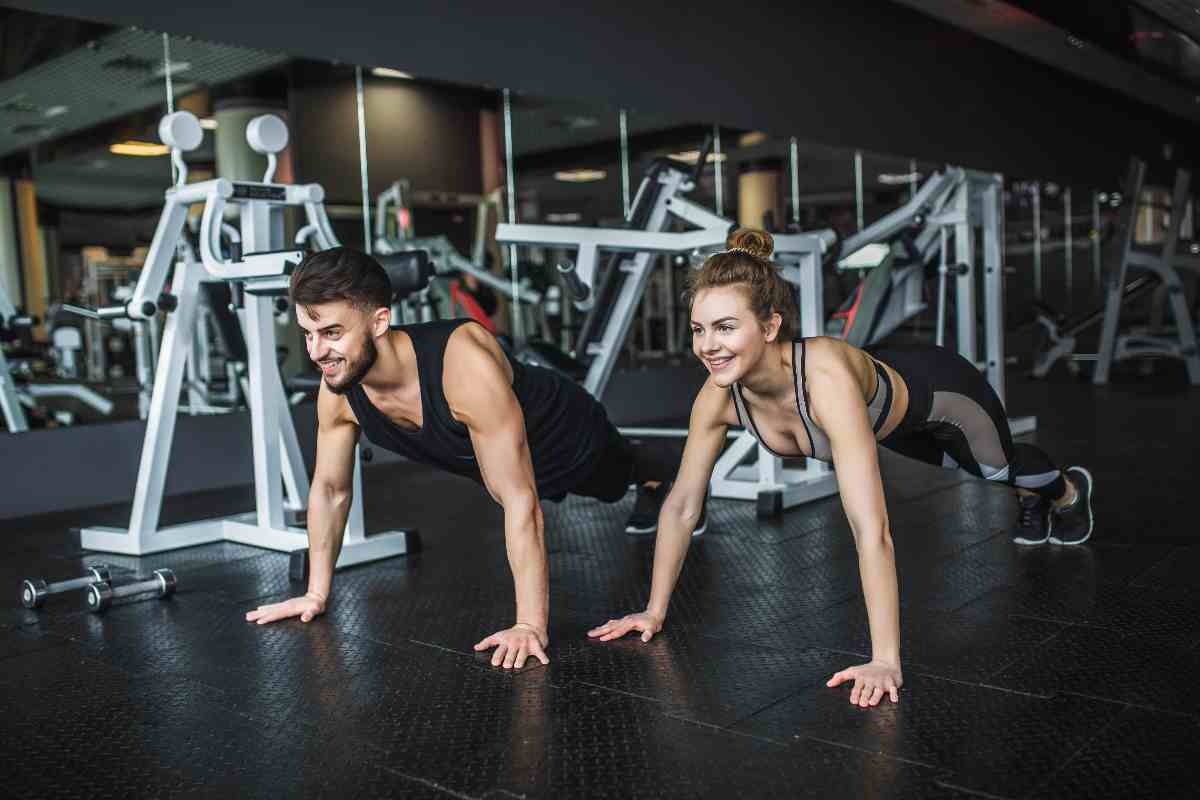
447,395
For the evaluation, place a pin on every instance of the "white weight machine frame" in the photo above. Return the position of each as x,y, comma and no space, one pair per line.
951,205
280,476
1116,346
10,399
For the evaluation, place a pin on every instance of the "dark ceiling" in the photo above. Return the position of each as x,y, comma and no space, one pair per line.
885,77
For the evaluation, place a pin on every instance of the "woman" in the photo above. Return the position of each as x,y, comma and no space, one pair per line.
824,399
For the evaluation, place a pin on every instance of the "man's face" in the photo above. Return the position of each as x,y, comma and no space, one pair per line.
340,340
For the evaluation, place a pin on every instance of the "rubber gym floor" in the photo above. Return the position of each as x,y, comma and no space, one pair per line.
1039,672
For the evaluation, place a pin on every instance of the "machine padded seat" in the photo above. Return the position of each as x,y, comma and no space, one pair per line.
409,271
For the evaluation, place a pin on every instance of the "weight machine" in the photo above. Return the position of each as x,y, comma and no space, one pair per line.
1158,271
14,397
257,270
952,208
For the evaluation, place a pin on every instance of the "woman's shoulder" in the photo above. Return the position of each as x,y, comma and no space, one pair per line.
714,405
830,353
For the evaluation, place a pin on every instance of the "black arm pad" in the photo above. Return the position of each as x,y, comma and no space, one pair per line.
409,271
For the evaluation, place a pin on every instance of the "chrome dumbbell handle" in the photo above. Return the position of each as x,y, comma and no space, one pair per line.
34,591
101,595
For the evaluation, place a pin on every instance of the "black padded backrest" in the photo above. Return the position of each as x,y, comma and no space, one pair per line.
409,271
219,297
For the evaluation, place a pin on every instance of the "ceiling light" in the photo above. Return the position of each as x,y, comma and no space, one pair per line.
575,123
899,178
692,156
565,217
580,175
751,139
388,72
132,148
209,123
55,111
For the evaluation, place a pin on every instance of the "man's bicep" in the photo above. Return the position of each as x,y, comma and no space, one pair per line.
502,450
337,437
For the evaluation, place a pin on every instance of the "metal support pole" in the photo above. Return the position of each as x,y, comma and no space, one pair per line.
1068,262
718,181
966,335
671,311
1097,278
794,147
1037,241
166,40
362,158
511,189
624,122
858,188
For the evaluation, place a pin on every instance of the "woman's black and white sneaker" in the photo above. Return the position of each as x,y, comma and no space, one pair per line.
1073,524
644,519
1033,521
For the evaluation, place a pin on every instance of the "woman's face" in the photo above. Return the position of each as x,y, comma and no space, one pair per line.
726,335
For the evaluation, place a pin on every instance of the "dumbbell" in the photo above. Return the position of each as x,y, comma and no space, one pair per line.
34,591
101,595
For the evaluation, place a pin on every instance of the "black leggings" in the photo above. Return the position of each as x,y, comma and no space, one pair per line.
955,420
618,465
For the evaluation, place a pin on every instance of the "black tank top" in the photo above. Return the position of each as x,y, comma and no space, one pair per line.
564,425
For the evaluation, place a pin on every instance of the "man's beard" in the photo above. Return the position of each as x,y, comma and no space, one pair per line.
355,370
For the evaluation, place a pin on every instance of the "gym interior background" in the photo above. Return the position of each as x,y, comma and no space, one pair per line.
1060,672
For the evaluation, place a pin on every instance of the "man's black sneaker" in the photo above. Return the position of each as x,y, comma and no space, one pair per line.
1073,524
644,518
1033,521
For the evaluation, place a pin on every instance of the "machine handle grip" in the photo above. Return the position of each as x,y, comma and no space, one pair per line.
104,313
580,292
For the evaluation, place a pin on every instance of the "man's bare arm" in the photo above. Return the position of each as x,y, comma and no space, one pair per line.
329,499
478,384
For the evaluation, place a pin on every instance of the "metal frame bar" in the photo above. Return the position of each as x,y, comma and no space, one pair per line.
10,403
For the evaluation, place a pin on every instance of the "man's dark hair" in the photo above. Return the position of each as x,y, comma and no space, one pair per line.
340,274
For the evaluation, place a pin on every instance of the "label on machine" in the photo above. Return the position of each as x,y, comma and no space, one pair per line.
259,191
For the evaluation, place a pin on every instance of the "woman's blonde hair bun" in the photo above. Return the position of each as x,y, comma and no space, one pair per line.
753,241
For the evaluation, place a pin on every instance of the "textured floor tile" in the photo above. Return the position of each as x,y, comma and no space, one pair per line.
989,740
21,641
1178,567
967,644
692,676
636,751
1095,662
159,738
1140,754
243,579
1125,608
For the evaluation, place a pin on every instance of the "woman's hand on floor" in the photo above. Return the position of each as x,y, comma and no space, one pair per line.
645,622
871,682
